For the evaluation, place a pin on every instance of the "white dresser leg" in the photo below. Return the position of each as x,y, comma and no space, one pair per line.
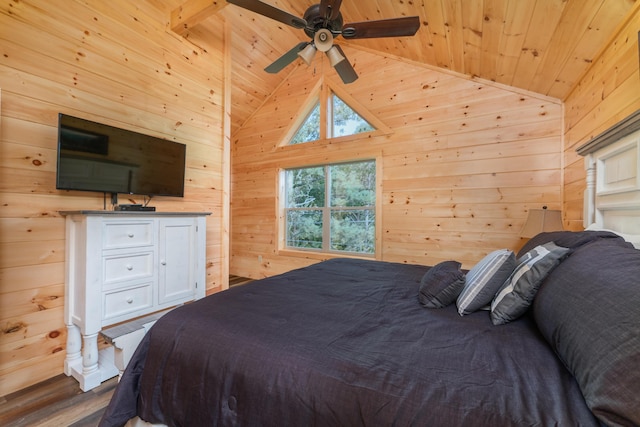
90,368
74,347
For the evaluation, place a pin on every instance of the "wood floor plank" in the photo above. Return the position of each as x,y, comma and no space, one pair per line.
90,421
56,402
237,281
81,410
45,394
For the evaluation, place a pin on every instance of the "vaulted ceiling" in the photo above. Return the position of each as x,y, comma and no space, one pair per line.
542,46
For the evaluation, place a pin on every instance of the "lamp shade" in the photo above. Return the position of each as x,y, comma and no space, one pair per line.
307,53
334,56
541,220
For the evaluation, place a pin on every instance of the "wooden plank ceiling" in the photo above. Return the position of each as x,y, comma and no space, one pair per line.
543,46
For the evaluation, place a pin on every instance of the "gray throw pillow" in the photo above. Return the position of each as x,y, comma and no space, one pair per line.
517,293
484,280
588,310
441,284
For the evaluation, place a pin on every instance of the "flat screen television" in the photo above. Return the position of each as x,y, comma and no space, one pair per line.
98,157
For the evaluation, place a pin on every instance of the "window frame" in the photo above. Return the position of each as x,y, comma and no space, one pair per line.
321,93
326,251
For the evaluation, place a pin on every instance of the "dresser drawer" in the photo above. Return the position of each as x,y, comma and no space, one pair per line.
127,234
127,301
123,267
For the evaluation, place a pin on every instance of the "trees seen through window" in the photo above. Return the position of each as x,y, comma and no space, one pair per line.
331,208
342,121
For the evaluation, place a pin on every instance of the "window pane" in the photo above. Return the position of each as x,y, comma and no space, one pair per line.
353,184
346,121
310,129
305,187
304,229
350,218
353,231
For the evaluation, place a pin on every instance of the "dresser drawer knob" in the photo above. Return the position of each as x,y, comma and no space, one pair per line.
163,262
130,235
129,300
129,267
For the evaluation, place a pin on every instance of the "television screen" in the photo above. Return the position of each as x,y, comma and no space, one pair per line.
98,157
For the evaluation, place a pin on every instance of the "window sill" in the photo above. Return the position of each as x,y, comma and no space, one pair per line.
322,256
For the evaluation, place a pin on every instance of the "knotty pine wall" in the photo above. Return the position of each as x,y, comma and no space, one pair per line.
463,164
609,92
114,62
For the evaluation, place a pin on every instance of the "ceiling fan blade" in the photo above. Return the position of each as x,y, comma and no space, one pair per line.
286,59
329,9
344,68
270,12
395,27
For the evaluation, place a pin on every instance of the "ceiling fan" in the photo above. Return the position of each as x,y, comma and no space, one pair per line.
323,22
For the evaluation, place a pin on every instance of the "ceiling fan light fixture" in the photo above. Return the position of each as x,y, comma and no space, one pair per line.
307,53
322,22
334,56
323,40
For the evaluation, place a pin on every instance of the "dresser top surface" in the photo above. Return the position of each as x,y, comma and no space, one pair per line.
129,213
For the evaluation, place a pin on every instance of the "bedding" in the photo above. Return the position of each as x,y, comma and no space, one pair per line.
591,318
345,342
569,239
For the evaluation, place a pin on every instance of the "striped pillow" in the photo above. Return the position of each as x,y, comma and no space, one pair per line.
484,280
516,295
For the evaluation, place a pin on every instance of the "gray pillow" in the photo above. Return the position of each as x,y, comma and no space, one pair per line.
484,280
441,285
517,293
588,310
568,239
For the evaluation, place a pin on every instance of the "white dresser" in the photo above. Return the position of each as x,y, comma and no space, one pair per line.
120,266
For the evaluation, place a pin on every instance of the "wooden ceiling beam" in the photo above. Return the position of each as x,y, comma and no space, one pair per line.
192,12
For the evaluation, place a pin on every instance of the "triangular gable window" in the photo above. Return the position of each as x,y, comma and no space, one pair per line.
310,128
333,115
345,120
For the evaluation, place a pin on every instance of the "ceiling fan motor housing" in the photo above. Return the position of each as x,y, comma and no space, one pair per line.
315,21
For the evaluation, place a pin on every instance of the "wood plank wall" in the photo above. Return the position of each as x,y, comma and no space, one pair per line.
464,163
607,93
113,62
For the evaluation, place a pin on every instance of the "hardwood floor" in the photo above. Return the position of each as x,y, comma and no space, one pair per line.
60,402
237,281
56,402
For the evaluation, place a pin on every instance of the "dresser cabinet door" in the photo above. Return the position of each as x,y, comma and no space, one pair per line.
177,259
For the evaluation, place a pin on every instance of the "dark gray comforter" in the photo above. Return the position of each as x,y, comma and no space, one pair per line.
343,343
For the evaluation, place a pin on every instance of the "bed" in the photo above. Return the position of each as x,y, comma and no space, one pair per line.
546,336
